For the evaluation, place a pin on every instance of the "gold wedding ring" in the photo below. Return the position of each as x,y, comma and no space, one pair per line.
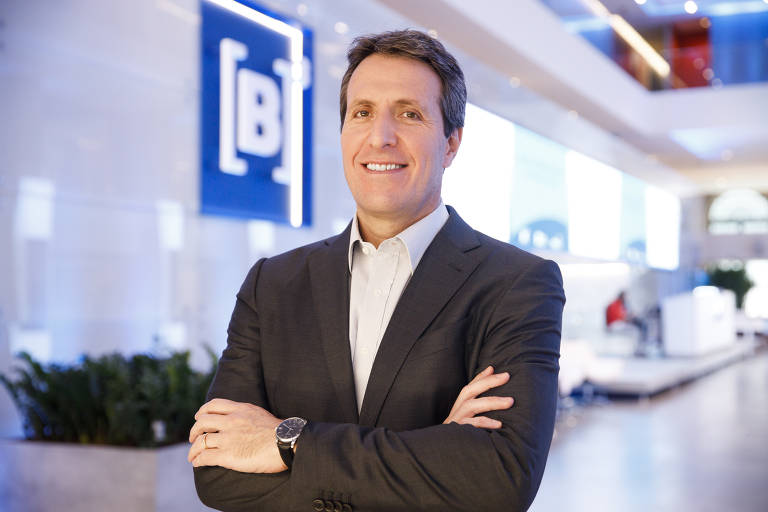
205,445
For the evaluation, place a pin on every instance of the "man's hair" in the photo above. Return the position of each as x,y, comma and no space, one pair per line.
416,45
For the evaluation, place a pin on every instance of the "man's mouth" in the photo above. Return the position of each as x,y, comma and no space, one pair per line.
383,166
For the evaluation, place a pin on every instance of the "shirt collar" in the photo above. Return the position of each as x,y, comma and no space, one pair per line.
415,237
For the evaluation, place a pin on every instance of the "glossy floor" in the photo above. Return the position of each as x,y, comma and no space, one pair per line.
702,447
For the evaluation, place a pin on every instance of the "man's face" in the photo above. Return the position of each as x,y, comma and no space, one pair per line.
393,144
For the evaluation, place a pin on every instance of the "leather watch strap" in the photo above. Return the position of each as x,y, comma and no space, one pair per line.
286,453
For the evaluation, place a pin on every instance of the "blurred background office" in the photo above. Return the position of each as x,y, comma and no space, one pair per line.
152,150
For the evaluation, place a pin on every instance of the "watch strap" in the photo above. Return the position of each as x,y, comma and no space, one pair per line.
286,453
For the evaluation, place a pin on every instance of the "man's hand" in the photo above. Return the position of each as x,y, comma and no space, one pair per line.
467,406
236,436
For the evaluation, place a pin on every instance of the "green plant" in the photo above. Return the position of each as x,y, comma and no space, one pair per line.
110,399
733,278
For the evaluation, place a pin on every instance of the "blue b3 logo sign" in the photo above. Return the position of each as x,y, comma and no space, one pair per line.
256,121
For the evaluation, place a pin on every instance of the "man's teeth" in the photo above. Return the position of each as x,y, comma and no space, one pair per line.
383,167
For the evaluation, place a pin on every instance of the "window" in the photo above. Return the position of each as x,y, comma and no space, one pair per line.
739,211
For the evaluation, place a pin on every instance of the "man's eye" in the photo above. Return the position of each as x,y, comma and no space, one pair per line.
362,113
411,114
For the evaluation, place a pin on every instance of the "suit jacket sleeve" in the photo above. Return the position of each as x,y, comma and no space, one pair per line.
239,378
442,467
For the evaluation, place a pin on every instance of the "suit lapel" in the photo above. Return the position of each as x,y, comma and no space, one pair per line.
329,284
447,263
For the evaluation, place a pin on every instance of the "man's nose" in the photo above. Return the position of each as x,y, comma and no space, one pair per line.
383,132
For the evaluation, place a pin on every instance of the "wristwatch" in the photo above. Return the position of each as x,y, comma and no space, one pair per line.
287,432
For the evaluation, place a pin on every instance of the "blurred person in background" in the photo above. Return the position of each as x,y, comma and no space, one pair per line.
409,363
616,311
617,316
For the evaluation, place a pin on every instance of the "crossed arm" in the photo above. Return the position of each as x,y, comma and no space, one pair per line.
241,436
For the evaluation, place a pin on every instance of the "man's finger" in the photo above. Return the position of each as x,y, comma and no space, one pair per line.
208,423
475,406
218,406
488,403
207,441
208,458
211,440
482,385
465,391
483,422
195,449
488,371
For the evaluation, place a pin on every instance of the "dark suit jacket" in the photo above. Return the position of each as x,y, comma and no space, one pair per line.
472,302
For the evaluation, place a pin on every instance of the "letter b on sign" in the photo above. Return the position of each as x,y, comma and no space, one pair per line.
258,114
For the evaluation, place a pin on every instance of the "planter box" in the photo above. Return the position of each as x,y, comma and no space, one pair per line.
39,476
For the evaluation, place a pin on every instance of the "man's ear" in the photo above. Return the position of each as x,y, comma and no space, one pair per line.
454,141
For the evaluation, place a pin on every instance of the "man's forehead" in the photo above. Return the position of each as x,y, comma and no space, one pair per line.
413,81
378,59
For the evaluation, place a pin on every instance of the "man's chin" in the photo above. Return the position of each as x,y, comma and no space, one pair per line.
381,209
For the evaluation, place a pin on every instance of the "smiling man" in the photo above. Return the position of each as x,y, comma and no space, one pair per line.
409,363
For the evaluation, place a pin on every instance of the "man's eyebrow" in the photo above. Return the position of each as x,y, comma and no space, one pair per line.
361,101
402,102
407,102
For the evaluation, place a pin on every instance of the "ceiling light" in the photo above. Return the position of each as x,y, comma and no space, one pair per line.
640,45
597,8
631,37
690,7
640,2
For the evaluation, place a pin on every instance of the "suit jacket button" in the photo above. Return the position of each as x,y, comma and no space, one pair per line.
318,505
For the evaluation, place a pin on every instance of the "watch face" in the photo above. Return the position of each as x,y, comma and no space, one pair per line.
289,429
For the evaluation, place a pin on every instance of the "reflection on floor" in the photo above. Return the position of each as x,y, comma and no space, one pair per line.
701,447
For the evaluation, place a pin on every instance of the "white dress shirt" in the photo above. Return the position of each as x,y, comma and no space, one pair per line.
378,278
